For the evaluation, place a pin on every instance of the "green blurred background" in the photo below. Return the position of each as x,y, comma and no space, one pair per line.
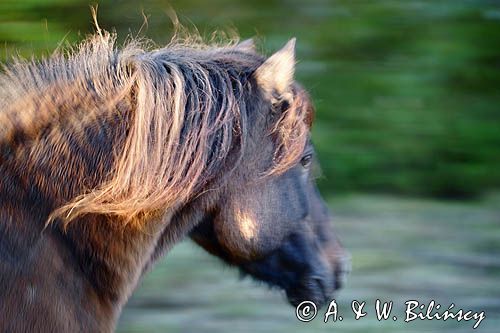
407,132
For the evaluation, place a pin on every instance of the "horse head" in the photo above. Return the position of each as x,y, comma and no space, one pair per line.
277,228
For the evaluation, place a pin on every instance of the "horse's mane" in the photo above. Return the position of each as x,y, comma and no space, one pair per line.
187,110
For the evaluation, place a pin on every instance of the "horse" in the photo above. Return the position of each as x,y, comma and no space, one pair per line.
109,156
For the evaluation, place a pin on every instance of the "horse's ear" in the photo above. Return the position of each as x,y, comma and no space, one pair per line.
275,75
248,45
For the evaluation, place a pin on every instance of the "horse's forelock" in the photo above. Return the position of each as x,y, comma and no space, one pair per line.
291,130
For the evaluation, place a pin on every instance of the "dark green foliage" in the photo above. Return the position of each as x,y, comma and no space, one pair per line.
407,92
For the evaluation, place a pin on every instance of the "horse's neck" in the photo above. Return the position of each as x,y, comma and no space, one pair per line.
88,271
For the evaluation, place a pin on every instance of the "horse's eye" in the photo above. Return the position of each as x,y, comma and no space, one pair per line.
306,160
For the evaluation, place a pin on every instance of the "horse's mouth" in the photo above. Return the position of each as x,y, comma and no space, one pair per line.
319,289
314,289
316,285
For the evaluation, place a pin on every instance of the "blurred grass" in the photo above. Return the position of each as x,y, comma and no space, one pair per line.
403,249
407,92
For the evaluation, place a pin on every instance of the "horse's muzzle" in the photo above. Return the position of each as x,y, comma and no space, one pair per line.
319,286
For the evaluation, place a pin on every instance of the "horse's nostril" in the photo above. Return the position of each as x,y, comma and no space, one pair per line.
337,283
339,279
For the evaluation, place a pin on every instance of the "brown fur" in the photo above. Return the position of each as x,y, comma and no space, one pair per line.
125,144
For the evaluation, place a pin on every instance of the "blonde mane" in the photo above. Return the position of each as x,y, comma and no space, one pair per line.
187,109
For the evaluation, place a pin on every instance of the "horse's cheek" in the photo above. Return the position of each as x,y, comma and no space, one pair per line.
237,234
